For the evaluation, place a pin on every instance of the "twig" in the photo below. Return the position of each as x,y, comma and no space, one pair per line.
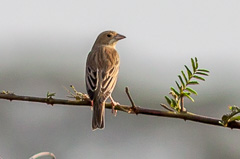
69,92
152,112
182,105
133,108
43,154
129,96
77,95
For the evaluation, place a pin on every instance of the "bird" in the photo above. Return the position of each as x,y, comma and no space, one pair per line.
102,67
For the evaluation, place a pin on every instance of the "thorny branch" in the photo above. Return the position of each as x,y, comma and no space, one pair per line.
125,108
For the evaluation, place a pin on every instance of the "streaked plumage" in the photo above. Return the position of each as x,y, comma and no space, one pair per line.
101,73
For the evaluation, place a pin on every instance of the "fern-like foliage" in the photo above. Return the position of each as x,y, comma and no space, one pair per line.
230,116
184,89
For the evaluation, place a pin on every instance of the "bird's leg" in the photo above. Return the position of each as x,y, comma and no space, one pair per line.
113,105
91,104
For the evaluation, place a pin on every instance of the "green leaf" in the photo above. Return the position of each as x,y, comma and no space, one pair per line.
173,103
203,70
174,90
235,118
181,80
178,85
230,107
196,61
234,108
50,95
231,116
189,72
225,118
221,122
184,77
186,93
224,121
168,100
193,65
192,82
201,73
191,90
188,96
198,77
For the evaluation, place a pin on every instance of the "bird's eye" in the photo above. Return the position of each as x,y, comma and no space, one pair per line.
109,35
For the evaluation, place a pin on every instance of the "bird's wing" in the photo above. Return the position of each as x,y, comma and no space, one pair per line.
91,77
101,71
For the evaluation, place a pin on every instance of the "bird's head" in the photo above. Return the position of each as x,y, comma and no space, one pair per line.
109,38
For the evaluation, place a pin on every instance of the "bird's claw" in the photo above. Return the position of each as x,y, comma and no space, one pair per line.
114,111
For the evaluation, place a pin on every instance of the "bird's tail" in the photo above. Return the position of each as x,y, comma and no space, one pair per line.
98,114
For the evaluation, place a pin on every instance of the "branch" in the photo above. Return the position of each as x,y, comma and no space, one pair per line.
125,108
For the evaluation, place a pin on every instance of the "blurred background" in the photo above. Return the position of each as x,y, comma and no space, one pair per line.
44,45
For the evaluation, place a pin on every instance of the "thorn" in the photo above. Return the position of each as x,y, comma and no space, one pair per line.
166,107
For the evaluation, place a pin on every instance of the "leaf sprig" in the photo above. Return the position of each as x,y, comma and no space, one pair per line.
186,79
50,94
230,116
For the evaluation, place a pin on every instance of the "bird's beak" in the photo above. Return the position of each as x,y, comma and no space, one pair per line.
119,37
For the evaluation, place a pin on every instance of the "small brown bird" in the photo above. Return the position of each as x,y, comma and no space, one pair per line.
101,74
